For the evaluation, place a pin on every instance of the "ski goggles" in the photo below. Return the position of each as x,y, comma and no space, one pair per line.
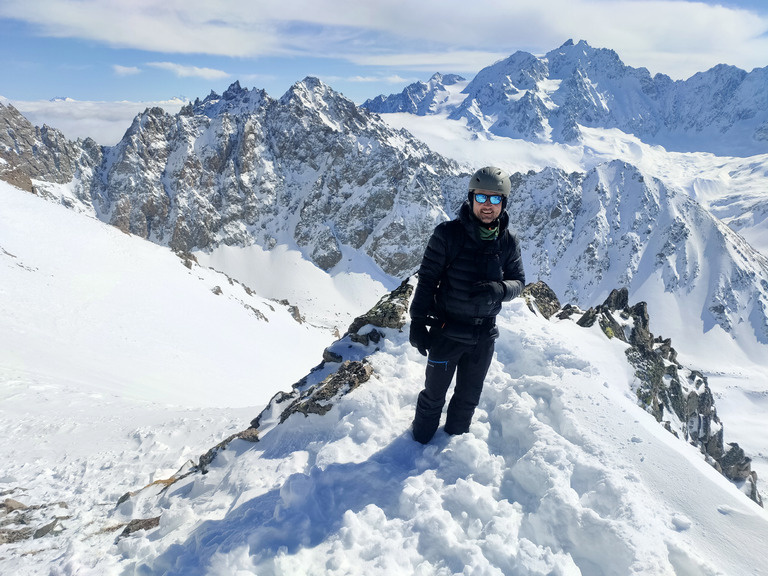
481,198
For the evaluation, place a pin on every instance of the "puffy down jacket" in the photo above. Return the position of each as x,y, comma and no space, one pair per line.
455,260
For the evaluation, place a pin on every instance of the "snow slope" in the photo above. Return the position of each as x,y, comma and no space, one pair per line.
82,300
561,473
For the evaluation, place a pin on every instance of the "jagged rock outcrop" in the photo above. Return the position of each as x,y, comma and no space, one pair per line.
678,397
31,156
541,299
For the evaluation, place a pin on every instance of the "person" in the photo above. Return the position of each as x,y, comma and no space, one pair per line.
470,266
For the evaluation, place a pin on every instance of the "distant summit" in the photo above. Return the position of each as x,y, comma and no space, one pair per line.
547,99
420,98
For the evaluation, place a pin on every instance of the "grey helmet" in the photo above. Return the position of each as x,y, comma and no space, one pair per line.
492,179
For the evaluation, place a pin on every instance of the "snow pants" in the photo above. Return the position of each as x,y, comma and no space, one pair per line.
470,363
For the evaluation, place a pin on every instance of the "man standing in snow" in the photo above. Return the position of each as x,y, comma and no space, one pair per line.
471,265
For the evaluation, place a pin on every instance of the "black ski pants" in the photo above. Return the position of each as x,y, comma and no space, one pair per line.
470,363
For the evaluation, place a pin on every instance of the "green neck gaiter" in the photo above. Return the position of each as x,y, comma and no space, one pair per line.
489,233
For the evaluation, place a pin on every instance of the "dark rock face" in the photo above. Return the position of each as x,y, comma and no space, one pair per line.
30,153
539,296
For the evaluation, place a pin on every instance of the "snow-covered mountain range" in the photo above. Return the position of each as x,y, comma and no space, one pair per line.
324,206
313,171
550,98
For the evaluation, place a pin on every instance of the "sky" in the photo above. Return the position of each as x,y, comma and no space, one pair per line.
88,67
152,50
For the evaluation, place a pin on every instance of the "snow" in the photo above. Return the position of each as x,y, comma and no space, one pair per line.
731,188
104,310
119,365
326,299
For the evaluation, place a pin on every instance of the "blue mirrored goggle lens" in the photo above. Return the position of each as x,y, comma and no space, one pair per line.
481,198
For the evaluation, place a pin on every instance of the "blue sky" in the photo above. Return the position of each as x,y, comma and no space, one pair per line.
154,50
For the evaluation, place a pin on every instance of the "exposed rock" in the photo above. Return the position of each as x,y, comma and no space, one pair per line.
45,530
389,312
11,505
139,524
539,296
319,399
249,435
680,399
30,153
332,357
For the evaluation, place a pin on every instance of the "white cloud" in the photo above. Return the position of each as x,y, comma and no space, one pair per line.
378,79
448,61
105,122
125,70
183,71
677,37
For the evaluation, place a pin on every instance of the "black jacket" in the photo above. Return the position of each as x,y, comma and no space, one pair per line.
455,260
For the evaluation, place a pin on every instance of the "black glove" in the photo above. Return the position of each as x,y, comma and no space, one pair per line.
488,292
419,336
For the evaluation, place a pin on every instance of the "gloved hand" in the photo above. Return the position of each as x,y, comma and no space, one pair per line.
488,292
419,336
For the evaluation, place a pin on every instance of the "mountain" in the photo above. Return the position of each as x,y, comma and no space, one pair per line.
548,99
310,169
565,468
315,172
615,226
30,153
420,97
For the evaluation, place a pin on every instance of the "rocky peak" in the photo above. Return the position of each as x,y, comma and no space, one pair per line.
235,100
419,98
439,79
521,71
572,58
313,101
29,153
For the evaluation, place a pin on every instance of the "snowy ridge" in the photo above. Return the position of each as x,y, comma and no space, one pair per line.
440,93
561,472
613,226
